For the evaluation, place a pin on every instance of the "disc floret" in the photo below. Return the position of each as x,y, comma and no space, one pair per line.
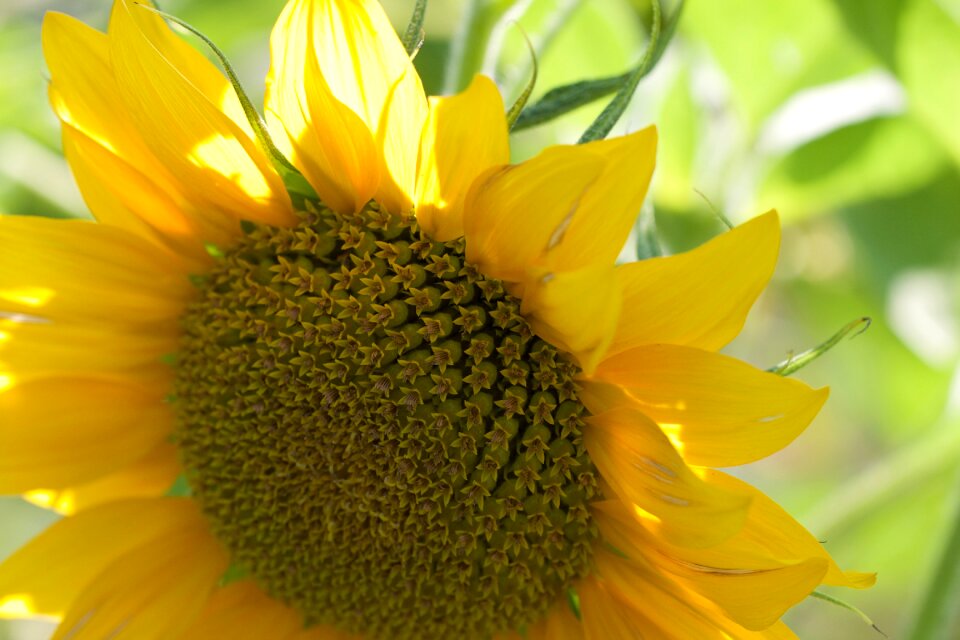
376,434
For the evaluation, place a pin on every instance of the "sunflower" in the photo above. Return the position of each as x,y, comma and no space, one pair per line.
415,398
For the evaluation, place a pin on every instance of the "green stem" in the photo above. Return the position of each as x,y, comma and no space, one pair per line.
461,44
796,362
888,479
469,43
939,615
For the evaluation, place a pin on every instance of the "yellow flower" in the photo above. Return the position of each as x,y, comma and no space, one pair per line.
423,404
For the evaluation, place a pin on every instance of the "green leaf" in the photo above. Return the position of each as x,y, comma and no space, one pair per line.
561,100
648,243
920,42
770,50
234,573
517,107
413,37
180,488
876,158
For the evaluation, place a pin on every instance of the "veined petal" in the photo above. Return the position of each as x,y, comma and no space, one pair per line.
720,410
568,208
88,272
84,91
606,617
121,179
558,624
575,310
47,573
356,49
168,94
152,592
242,611
64,431
122,195
30,348
465,135
699,298
150,476
608,210
679,612
771,532
754,598
329,143
351,48
644,469
514,215
398,137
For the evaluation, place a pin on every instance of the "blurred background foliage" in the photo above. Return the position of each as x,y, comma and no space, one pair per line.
842,114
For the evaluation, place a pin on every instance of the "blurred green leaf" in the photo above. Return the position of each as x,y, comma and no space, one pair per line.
680,129
648,241
876,158
469,44
770,50
918,229
938,617
920,42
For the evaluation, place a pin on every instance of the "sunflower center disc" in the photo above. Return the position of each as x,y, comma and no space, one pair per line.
377,436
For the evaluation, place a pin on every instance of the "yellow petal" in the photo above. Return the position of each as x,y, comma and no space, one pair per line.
64,431
82,271
122,195
150,476
699,298
152,592
465,135
559,624
770,532
722,411
85,93
31,348
609,209
398,137
329,143
681,614
644,469
606,617
349,48
174,98
131,189
778,631
513,216
754,598
575,310
242,611
50,571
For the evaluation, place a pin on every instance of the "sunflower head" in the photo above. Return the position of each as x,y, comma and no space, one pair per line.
356,397
423,401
